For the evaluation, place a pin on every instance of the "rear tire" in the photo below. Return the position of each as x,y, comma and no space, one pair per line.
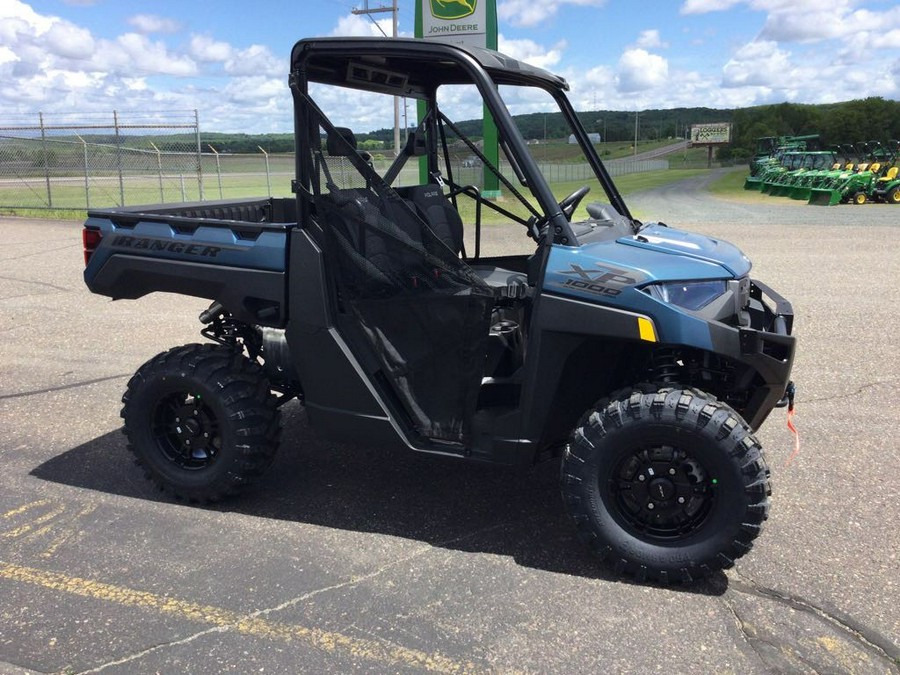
665,484
893,195
202,421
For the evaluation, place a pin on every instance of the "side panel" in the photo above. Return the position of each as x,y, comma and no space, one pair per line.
238,265
252,296
576,352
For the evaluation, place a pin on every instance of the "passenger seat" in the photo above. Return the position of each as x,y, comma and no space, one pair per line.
438,212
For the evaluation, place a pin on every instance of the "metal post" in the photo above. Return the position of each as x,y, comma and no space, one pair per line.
162,197
218,169
46,159
183,193
199,155
635,132
87,183
119,159
268,183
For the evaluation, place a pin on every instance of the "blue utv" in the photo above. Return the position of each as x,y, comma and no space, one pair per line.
461,308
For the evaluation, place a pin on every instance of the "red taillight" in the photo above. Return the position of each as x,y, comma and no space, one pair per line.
91,239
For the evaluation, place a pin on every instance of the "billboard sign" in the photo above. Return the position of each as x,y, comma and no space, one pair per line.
459,22
711,134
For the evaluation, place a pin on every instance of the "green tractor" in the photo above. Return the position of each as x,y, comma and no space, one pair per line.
769,154
827,166
811,164
771,179
887,187
855,187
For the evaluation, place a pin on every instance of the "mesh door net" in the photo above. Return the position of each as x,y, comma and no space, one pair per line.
423,312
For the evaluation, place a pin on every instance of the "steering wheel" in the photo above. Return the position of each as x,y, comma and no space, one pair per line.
537,225
570,203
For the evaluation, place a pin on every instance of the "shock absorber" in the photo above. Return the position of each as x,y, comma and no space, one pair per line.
665,365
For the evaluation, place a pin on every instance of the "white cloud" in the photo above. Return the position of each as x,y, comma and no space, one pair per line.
533,12
69,41
357,25
207,50
531,52
813,24
638,69
18,19
760,63
151,23
256,91
704,6
147,57
255,60
7,55
650,39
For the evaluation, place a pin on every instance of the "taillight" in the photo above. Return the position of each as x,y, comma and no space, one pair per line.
91,239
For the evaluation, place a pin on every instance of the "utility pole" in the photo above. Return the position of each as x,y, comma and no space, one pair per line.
367,11
635,132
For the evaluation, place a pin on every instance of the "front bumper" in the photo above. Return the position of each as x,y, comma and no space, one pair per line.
766,347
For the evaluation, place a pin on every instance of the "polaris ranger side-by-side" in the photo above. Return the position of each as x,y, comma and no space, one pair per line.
644,356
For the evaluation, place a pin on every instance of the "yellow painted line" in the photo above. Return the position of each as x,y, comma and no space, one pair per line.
382,652
23,529
645,326
67,533
24,508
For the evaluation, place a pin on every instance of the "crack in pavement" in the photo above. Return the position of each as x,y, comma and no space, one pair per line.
868,638
46,250
750,638
265,612
37,283
62,387
254,615
770,661
861,389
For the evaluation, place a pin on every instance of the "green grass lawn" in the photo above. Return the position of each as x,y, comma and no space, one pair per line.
69,199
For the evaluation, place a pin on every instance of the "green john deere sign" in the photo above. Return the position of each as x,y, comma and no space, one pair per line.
450,10
469,23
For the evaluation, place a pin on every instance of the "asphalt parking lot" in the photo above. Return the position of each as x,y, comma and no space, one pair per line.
352,559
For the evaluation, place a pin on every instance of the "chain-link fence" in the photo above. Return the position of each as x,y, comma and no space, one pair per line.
59,161
69,162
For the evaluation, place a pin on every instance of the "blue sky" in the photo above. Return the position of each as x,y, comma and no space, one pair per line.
229,61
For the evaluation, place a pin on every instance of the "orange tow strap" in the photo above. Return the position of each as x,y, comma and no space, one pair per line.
790,424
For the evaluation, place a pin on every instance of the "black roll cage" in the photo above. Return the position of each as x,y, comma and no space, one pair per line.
415,69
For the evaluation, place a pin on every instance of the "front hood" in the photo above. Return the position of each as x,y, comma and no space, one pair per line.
678,242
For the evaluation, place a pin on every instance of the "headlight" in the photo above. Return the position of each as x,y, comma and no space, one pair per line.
692,295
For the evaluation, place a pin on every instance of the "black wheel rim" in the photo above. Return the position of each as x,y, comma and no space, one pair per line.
662,492
186,431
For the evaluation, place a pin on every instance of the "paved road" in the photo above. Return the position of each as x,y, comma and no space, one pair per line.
346,558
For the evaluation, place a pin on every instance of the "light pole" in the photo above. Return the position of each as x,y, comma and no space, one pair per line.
366,11
598,122
635,132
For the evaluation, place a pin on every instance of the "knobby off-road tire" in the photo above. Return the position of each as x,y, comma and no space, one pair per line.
665,484
201,421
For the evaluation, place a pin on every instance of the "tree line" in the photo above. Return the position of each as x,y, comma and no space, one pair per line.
848,122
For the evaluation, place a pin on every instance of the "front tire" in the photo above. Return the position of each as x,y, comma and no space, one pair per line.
201,420
665,484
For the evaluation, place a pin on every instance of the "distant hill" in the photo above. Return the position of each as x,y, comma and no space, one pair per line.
848,122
